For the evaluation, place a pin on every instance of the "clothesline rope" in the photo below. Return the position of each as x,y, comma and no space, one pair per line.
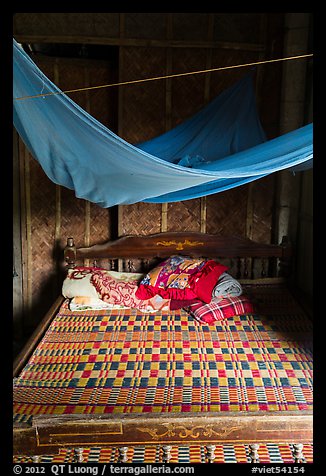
165,77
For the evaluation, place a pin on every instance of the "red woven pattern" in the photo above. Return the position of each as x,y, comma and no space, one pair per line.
219,309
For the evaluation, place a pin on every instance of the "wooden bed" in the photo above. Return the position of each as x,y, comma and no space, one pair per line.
262,363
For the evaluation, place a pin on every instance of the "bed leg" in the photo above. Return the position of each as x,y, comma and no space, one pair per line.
78,455
36,459
297,452
123,454
210,449
166,453
253,454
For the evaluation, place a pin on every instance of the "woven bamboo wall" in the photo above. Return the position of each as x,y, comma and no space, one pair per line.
246,210
52,213
150,44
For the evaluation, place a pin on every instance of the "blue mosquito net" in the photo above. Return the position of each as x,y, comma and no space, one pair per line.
221,147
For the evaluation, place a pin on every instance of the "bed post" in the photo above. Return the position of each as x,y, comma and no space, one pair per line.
166,453
253,452
123,458
70,253
285,261
210,453
297,452
78,455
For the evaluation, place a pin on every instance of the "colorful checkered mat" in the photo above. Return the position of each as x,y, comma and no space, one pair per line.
96,362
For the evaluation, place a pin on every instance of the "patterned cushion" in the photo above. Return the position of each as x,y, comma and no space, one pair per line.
182,278
116,289
219,309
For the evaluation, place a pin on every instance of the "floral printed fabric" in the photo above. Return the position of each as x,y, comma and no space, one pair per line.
117,291
182,278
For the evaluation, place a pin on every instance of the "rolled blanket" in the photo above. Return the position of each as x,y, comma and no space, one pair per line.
227,286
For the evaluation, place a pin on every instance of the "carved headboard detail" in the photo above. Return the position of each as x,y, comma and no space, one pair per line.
247,258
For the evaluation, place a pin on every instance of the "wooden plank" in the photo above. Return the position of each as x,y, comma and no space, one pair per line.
57,231
21,148
207,90
54,431
122,26
250,211
87,203
193,243
203,214
120,116
210,30
28,234
167,43
261,56
17,243
87,228
164,217
168,107
57,225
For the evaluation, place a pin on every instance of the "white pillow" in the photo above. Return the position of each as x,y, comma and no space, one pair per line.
79,285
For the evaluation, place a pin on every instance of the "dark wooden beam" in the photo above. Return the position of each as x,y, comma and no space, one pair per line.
95,40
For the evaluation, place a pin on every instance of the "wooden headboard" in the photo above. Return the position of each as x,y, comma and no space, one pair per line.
249,258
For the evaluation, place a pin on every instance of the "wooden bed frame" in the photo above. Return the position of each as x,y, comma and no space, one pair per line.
49,433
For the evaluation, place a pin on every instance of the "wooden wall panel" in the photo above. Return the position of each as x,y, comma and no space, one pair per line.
190,26
152,44
184,97
69,25
145,25
188,92
140,218
142,105
102,102
42,219
184,215
221,80
53,213
72,218
227,212
263,202
237,27
142,116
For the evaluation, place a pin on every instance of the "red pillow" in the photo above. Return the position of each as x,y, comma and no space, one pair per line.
219,309
176,304
182,278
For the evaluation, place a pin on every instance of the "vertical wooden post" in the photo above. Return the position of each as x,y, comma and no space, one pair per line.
253,453
168,106
297,452
203,214
17,244
291,117
210,453
57,226
207,89
166,453
28,236
164,217
210,36
123,458
78,455
120,116
250,211
87,203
